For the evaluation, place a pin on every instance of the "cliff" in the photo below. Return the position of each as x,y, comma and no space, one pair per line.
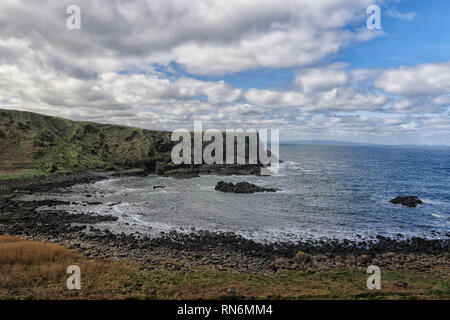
38,144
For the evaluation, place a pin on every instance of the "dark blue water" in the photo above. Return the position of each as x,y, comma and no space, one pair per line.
350,187
327,192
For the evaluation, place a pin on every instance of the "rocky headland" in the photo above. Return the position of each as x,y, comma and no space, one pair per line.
37,145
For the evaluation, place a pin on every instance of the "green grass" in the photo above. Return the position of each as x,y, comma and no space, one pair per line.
32,143
24,174
333,284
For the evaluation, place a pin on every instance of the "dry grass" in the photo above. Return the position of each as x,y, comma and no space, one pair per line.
30,269
14,250
34,270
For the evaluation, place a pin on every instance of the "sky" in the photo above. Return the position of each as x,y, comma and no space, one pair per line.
311,69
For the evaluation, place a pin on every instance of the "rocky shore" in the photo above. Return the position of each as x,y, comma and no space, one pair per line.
188,171
224,251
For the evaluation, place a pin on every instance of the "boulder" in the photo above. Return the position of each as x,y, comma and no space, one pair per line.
363,259
408,201
302,257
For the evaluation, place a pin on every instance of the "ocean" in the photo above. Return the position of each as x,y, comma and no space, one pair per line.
326,192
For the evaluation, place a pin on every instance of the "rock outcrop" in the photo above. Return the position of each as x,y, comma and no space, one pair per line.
241,187
408,201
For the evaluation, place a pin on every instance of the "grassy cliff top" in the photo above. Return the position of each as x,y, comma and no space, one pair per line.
34,144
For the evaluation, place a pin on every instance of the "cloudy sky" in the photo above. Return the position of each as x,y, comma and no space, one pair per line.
310,68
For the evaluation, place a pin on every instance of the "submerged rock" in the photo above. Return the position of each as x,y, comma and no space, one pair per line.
408,201
241,187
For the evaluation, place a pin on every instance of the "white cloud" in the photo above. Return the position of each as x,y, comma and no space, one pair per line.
426,79
343,98
421,89
443,100
106,71
394,13
417,105
321,79
206,37
276,98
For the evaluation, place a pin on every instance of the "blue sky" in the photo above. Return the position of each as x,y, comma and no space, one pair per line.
309,68
423,39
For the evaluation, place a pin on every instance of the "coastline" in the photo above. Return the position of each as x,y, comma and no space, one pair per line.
223,251
39,273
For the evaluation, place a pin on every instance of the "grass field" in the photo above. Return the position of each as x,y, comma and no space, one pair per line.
35,270
21,174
